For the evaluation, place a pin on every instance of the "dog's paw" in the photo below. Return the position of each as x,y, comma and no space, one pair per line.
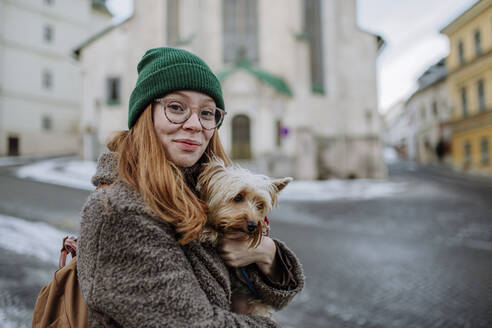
209,235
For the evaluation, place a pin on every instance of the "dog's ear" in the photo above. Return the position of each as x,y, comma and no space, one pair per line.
276,186
281,183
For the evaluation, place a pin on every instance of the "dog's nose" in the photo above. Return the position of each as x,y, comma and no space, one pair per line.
251,225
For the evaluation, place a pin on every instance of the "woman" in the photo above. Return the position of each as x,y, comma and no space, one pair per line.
139,261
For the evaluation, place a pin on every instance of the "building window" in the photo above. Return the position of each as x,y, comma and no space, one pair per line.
481,96
422,114
484,146
464,102
461,52
172,22
368,116
413,118
46,123
467,154
435,112
313,29
240,30
113,91
478,42
47,79
279,134
48,33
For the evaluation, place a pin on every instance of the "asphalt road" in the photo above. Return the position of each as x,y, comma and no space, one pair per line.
58,205
420,258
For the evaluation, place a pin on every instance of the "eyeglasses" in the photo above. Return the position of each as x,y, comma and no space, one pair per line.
176,112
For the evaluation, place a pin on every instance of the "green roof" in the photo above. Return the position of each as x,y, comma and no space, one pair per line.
275,82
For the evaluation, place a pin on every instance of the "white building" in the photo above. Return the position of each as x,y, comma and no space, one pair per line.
396,128
428,111
40,82
298,76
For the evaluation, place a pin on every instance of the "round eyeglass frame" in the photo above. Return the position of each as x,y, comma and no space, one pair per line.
162,102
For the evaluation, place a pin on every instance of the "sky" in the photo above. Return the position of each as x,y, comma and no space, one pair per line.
410,29
413,42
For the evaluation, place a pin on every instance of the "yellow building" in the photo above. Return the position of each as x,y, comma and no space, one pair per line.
470,85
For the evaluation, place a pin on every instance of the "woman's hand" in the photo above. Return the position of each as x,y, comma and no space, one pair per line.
235,251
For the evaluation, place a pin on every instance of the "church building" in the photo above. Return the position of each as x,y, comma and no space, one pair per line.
298,77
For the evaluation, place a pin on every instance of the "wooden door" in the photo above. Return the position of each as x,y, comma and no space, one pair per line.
241,138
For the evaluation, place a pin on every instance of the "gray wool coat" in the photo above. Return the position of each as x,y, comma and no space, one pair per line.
132,270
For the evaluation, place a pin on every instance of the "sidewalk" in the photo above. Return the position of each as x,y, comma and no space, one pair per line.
437,171
23,160
446,171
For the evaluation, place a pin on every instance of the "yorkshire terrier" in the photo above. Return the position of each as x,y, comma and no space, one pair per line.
238,201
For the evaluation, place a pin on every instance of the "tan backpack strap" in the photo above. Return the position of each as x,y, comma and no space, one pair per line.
69,246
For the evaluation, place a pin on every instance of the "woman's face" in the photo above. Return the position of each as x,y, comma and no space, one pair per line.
183,143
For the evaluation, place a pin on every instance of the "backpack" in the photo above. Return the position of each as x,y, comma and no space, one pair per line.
60,303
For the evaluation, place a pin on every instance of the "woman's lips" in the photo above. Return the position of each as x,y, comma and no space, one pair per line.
188,145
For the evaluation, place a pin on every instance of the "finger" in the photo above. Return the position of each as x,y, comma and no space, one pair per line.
223,251
236,236
229,259
231,263
227,244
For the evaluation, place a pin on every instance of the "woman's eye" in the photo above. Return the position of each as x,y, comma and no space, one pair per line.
208,114
238,198
175,107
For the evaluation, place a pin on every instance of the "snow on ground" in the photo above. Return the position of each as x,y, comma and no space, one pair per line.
27,240
37,239
65,171
340,189
77,174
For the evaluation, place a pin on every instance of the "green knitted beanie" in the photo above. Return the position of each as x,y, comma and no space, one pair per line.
164,70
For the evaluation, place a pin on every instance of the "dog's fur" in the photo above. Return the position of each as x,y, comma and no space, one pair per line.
236,196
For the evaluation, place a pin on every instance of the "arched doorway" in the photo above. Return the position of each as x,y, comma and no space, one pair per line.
241,137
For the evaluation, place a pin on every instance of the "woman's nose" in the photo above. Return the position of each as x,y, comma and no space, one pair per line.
193,123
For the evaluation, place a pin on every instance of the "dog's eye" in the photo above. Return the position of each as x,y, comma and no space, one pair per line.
238,198
260,206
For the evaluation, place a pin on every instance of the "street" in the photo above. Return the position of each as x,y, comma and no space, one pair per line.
421,257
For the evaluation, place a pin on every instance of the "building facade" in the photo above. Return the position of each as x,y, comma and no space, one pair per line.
298,76
470,83
428,111
40,82
396,126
